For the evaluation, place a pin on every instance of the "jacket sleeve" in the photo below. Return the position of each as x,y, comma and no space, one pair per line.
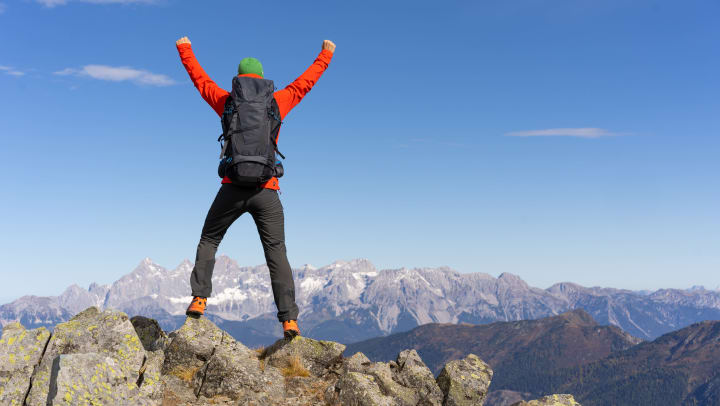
210,92
291,95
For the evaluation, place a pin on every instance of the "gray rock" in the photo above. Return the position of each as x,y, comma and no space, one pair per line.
150,333
357,363
358,389
191,347
550,400
20,352
151,387
108,333
234,371
403,383
316,356
412,372
465,382
91,379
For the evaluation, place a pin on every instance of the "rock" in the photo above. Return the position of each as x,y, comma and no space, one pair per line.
412,372
20,352
150,333
405,382
234,371
358,389
316,356
465,382
191,347
108,333
550,400
91,379
150,380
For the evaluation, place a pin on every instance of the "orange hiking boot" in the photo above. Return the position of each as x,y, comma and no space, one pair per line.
197,306
290,329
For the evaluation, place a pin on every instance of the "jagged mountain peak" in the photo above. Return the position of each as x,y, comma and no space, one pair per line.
148,267
512,280
353,265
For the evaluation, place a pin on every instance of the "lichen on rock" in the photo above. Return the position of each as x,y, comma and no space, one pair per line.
465,382
20,352
108,333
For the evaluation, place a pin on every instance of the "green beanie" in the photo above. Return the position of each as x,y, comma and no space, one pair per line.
250,65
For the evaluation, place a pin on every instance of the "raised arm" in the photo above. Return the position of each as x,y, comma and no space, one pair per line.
210,92
291,95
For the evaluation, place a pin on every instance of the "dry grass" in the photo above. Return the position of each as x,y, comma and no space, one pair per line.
294,368
260,351
186,374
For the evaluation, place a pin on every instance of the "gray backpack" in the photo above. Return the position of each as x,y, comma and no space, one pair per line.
250,123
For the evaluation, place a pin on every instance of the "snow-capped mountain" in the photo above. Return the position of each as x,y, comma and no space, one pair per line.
352,300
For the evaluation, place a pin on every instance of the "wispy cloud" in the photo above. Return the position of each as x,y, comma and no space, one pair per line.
565,132
11,71
53,3
119,74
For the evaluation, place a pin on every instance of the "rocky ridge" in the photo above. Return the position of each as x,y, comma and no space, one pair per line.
104,357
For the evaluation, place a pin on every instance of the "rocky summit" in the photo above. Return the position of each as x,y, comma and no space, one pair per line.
103,357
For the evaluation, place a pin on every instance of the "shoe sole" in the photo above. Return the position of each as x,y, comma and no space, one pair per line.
290,334
195,315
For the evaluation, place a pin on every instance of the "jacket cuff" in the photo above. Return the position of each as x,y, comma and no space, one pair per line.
183,45
325,56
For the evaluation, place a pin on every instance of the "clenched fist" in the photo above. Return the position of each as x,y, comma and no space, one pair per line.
183,40
329,45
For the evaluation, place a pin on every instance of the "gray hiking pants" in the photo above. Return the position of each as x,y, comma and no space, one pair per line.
267,211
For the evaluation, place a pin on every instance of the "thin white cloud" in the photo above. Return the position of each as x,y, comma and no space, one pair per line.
119,74
53,3
564,132
11,71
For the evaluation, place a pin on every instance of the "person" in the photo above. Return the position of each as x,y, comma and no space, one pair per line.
262,202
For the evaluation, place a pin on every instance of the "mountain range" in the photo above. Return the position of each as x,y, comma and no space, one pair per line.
351,301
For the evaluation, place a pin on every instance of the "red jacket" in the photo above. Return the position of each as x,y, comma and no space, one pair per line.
286,98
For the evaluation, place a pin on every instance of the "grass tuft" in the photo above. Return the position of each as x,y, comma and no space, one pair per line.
294,368
186,374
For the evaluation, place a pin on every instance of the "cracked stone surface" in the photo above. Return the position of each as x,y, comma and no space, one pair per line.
20,352
108,333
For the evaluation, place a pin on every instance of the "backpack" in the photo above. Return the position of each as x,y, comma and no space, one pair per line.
250,124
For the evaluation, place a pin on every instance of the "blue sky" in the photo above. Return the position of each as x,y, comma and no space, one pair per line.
563,140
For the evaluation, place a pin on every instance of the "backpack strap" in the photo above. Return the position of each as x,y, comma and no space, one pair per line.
227,114
274,113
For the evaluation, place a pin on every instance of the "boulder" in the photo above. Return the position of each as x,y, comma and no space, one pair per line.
465,382
411,372
550,400
108,334
405,382
91,378
358,389
316,356
234,371
20,352
150,333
